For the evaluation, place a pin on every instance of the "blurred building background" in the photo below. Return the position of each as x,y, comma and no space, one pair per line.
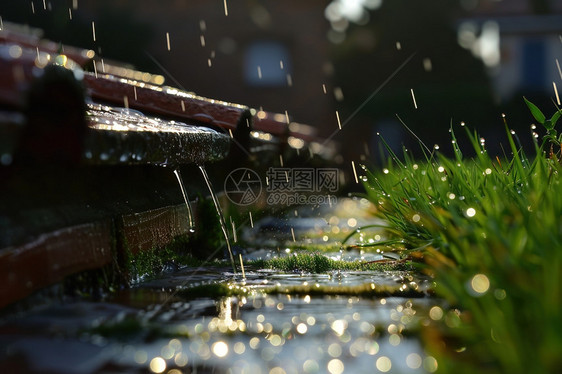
433,63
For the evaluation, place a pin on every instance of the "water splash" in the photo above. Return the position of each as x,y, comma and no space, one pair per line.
186,199
219,213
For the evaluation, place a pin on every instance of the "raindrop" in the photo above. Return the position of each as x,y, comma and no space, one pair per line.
338,118
556,93
220,349
293,234
225,8
338,93
158,365
93,29
480,284
414,98
354,171
427,65
414,361
384,364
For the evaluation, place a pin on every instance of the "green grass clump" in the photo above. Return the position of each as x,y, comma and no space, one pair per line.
491,232
318,263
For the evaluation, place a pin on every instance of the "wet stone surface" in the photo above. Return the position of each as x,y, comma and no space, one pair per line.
209,320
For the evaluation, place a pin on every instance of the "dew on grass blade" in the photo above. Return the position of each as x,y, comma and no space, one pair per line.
480,284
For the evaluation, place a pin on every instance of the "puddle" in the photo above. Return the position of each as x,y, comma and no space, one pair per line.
159,327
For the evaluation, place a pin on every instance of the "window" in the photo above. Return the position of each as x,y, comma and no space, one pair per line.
267,64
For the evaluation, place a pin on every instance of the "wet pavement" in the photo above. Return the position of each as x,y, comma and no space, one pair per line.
162,325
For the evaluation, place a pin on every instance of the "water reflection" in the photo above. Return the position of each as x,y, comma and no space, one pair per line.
256,335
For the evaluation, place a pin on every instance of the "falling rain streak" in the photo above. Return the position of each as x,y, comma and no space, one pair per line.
354,171
94,30
559,70
259,72
168,40
338,118
225,8
414,98
556,93
242,266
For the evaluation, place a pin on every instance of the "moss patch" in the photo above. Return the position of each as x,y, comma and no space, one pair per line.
318,263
